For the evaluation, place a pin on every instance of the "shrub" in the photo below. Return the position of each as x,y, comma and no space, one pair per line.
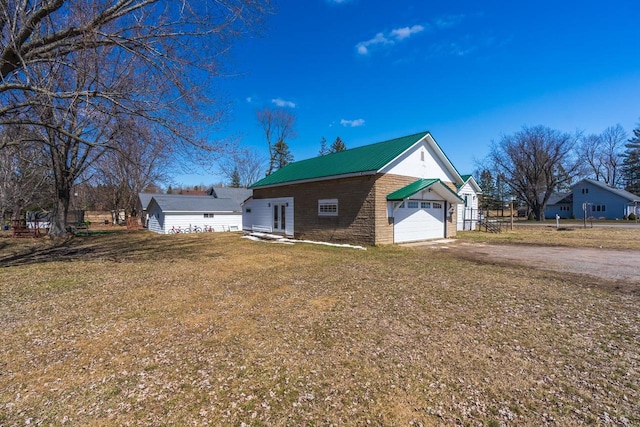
632,216
624,217
531,217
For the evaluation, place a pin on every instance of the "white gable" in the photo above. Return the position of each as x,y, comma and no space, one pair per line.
423,160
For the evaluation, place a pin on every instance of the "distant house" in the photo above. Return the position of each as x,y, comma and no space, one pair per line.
560,204
467,215
174,211
593,199
400,190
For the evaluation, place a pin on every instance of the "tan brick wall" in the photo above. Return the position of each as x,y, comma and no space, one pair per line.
362,208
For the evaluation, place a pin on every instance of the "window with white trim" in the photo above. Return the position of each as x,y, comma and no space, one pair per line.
208,215
425,205
328,207
437,205
412,205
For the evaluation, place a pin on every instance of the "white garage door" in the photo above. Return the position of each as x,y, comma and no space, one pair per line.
418,220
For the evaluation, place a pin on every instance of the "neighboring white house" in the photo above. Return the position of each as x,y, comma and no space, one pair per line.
468,211
168,212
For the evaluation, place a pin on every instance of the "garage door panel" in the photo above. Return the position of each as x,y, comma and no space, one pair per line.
412,224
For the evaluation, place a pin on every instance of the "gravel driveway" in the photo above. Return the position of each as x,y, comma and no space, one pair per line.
620,266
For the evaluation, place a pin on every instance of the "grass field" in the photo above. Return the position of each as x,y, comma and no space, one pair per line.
211,329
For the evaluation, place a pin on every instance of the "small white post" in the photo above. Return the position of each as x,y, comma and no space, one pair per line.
557,221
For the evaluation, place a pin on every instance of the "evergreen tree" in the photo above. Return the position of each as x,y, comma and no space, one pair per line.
338,145
282,155
170,190
324,150
235,178
631,164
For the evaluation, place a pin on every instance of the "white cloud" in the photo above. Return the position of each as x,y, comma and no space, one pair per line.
352,123
406,32
391,38
448,21
283,103
249,99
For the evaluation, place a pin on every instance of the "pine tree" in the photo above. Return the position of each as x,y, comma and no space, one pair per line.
631,164
282,155
323,147
337,145
235,178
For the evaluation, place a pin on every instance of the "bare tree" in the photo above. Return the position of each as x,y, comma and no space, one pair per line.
72,69
24,174
535,161
248,163
613,142
589,150
278,125
604,154
141,158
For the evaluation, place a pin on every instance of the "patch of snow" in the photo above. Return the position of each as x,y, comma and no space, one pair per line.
274,238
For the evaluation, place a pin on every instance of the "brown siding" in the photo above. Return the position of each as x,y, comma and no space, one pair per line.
362,208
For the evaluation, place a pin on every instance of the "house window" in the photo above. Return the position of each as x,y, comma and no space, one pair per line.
425,205
328,207
412,205
247,210
437,205
208,215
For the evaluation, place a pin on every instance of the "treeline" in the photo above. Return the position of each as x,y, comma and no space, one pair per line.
530,165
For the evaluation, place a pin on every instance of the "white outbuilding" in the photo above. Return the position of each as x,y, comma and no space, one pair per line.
169,213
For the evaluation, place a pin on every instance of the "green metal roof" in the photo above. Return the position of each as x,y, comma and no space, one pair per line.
411,189
419,185
369,158
465,178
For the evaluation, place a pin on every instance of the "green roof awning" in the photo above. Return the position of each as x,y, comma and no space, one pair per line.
422,184
411,189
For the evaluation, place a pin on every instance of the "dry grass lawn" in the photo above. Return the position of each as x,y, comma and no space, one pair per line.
570,235
211,329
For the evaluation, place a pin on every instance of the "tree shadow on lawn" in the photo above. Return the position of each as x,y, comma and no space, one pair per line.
128,247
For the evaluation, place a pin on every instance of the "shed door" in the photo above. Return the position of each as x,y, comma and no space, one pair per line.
419,220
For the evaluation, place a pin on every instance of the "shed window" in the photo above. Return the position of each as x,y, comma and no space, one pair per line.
437,205
328,207
425,205
208,215
412,205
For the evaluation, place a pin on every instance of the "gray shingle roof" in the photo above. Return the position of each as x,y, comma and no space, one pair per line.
618,191
145,198
201,204
557,198
238,195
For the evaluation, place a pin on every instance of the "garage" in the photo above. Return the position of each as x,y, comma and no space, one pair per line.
421,210
419,220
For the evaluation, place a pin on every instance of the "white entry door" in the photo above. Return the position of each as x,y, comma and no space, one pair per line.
279,217
419,220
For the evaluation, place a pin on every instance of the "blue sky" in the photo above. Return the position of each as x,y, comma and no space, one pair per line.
468,71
